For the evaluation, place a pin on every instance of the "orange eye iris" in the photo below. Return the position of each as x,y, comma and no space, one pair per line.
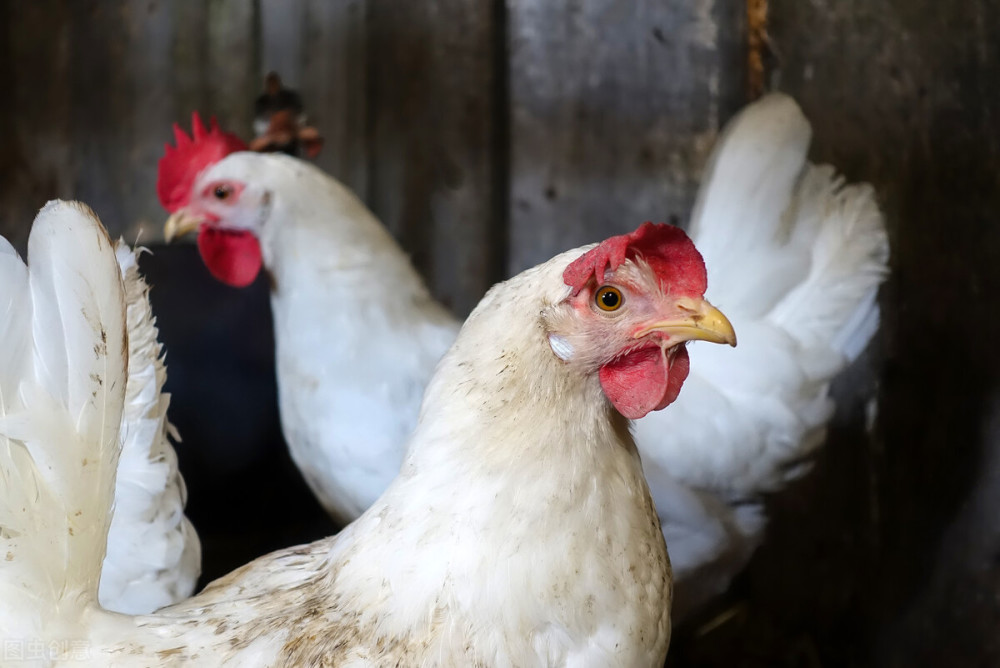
609,298
222,192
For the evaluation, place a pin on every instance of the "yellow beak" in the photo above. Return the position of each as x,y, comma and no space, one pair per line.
180,223
697,320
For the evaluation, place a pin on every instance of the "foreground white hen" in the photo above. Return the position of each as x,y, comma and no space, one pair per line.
794,253
519,532
153,554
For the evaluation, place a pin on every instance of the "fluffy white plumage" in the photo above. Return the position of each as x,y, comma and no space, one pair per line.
504,541
153,554
357,333
795,258
795,254
63,398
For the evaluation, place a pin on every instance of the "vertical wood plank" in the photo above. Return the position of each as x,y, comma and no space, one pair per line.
232,63
431,97
318,49
36,148
614,109
101,121
89,112
189,55
334,87
146,116
282,40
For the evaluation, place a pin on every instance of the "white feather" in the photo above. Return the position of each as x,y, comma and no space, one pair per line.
154,556
59,438
15,323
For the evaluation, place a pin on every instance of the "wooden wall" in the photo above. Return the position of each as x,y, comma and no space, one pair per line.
905,570
488,135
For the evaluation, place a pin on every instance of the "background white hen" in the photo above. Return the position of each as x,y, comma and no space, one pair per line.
796,254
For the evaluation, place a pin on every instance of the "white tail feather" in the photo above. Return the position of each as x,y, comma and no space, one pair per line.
154,557
795,259
59,439
737,222
789,239
834,306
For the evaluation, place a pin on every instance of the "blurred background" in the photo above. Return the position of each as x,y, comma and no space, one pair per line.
489,135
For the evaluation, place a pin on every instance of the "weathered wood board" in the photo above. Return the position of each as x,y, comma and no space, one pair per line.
432,115
613,109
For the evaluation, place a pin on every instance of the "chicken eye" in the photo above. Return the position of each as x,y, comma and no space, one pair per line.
609,298
222,192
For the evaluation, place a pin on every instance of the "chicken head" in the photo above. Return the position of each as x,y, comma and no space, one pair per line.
634,301
225,212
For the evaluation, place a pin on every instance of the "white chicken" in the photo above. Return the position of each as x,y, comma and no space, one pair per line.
519,532
797,255
153,554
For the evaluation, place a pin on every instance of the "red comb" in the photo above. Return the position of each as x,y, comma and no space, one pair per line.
665,248
181,165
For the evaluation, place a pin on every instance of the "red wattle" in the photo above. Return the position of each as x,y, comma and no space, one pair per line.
232,256
645,380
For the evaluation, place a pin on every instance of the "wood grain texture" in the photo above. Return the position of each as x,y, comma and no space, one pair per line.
95,87
318,49
282,43
35,160
614,109
431,102
101,122
231,64
334,86
188,55
148,111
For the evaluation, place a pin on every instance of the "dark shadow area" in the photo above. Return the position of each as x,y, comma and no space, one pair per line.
245,496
